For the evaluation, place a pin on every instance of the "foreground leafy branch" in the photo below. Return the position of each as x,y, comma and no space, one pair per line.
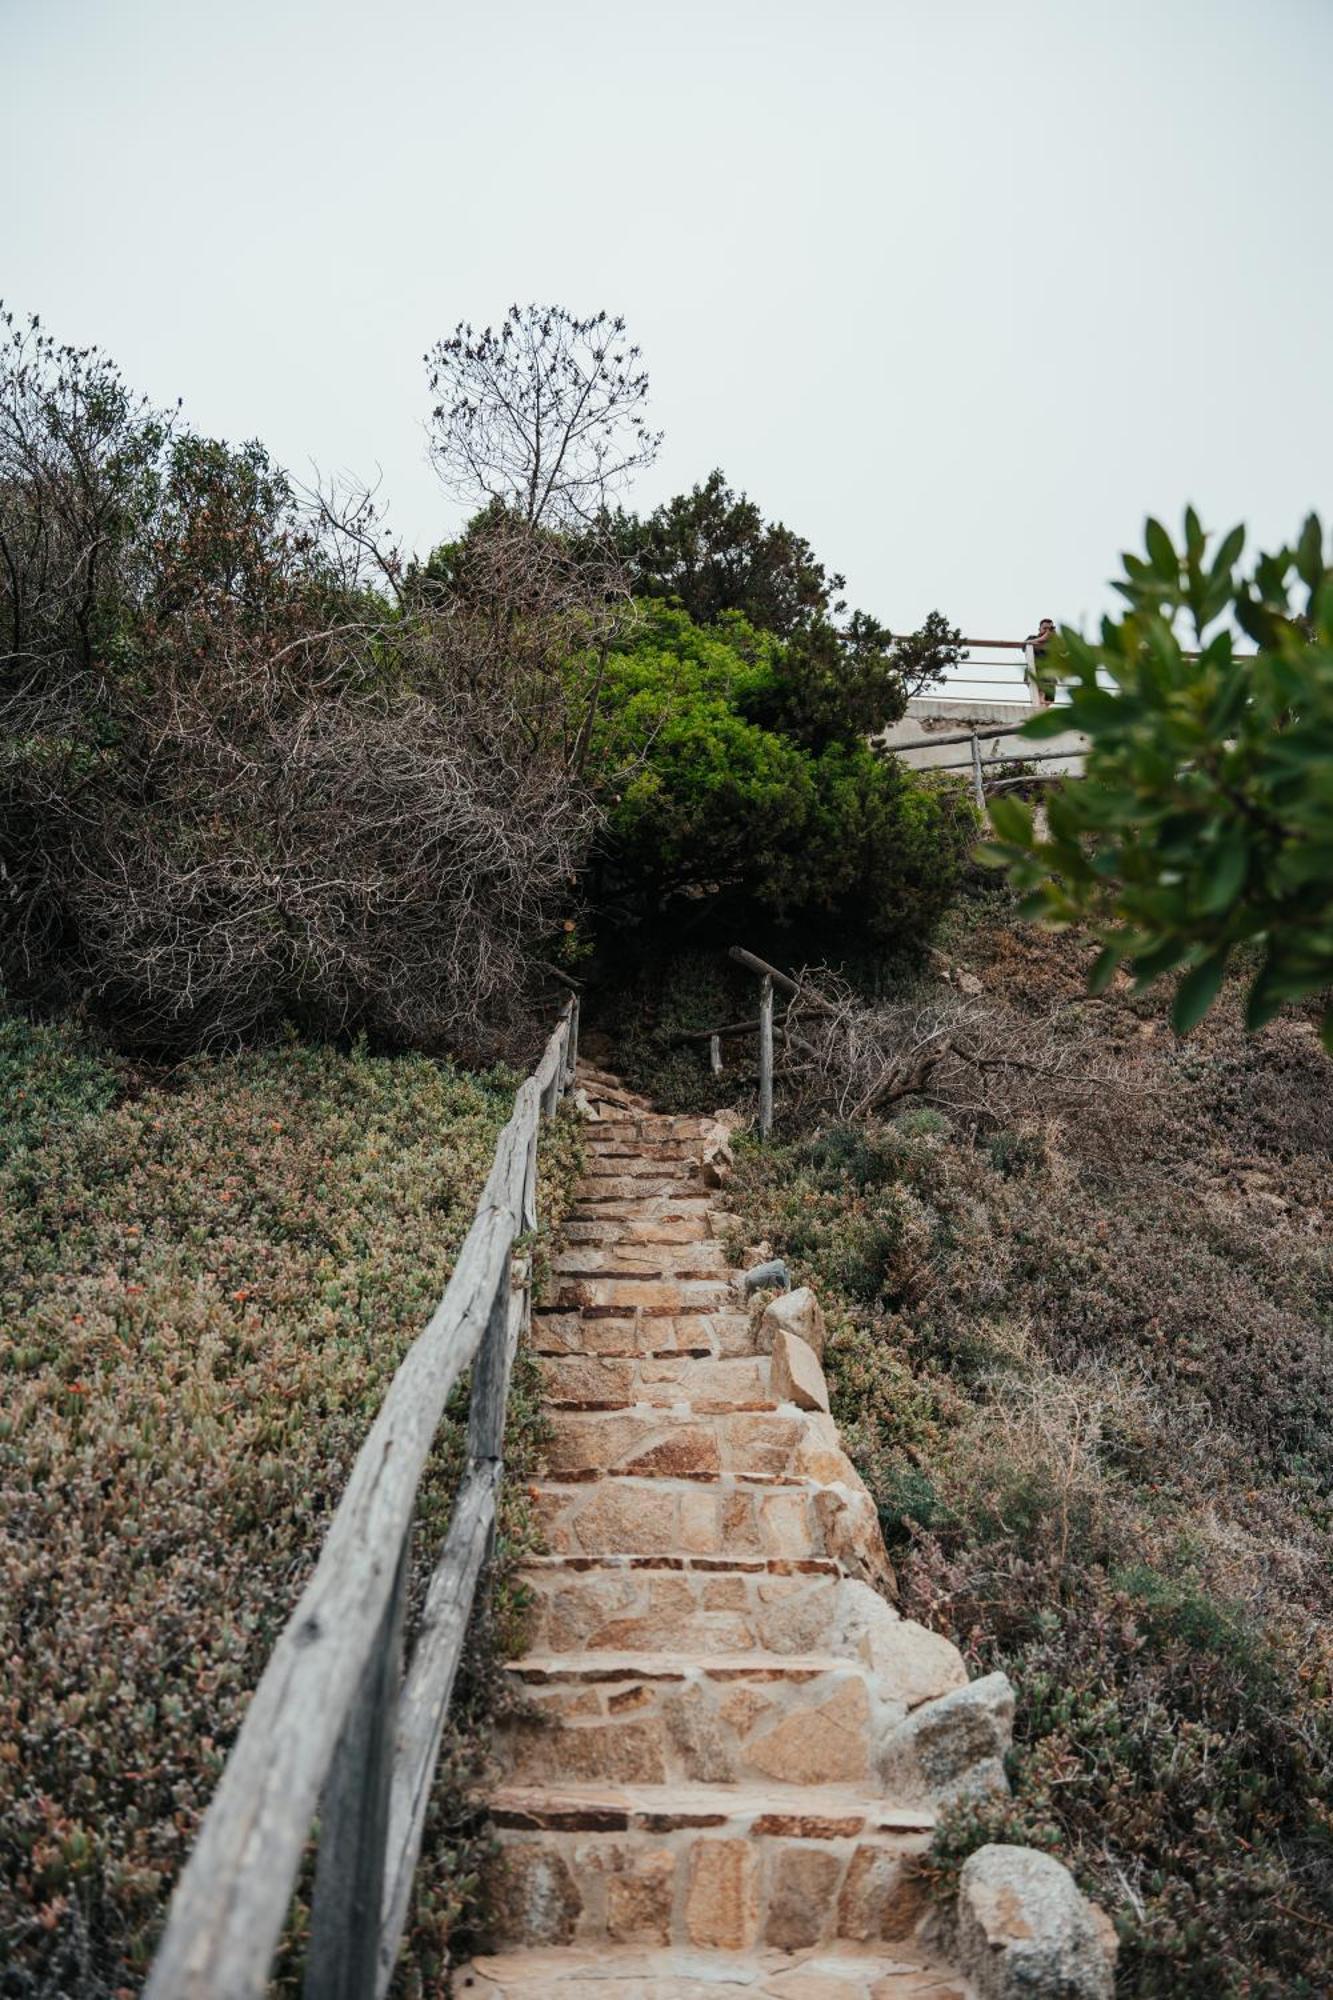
1204,822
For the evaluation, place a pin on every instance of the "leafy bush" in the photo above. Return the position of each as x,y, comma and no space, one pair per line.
1202,829
704,800
205,1286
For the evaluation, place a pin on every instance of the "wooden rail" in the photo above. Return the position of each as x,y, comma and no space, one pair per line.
334,1727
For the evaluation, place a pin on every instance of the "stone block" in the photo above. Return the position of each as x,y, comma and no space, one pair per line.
801,1897
795,1312
953,1747
639,1898
722,1895
795,1374
534,1897
824,1745
882,1897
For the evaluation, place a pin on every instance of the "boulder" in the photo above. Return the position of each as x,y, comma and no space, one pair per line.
764,1277
795,1312
1025,1932
718,1159
953,1747
795,1375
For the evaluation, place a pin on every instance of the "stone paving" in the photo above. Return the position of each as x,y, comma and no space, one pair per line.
731,1748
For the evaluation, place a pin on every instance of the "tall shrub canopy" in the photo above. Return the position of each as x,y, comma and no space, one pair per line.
704,798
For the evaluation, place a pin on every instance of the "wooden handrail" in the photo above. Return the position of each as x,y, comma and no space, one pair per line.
331,1714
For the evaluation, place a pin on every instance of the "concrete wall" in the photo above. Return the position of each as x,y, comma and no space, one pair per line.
937,714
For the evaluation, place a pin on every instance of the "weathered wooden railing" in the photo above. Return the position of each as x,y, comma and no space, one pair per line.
335,1727
770,979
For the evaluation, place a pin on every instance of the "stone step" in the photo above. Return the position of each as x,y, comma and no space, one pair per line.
704,1386
724,1516
776,1446
720,1867
640,1207
640,1229
703,1607
613,1296
715,1335
635,1164
621,1142
668,1718
700,1257
837,1971
658,1180
661,1125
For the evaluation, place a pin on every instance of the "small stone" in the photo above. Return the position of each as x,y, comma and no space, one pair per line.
795,1374
1025,1932
967,982
798,1312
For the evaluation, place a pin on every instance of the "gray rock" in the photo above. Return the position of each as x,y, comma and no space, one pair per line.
766,1277
953,1747
1025,1931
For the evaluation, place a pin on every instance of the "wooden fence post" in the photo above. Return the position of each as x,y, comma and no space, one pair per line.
343,1953
490,1375
766,1056
977,785
573,1048
715,1054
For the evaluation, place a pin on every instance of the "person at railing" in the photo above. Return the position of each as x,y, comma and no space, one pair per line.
1035,646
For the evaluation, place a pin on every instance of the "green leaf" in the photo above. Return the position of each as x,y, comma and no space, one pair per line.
1049,722
1104,969
1164,957
1197,991
1310,552
1229,554
1162,551
1012,820
1224,872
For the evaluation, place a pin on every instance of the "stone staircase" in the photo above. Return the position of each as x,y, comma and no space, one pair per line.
732,1748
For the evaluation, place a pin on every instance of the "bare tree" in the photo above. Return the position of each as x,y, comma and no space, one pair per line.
544,413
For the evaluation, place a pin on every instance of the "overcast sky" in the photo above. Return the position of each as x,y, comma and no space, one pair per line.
959,291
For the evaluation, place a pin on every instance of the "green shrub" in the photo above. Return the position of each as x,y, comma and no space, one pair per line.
706,802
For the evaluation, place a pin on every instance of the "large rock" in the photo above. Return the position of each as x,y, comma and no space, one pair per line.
1025,1932
794,1312
718,1161
914,1664
795,1375
953,1747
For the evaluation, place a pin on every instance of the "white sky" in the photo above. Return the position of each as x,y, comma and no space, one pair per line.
961,291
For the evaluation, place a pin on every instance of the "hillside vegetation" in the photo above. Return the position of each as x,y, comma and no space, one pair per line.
207,1279
1081,1347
